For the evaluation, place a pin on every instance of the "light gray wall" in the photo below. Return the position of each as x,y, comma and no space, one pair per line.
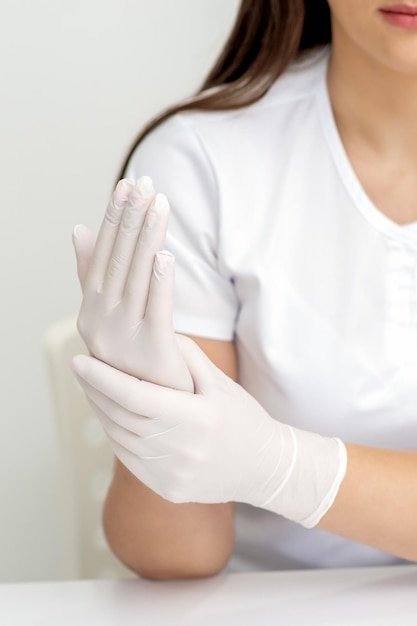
78,79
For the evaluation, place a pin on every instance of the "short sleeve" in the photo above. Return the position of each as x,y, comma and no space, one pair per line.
174,157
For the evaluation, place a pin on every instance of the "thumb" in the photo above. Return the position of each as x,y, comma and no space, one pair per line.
206,376
83,241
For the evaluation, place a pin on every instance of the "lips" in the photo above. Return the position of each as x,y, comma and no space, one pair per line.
403,9
402,16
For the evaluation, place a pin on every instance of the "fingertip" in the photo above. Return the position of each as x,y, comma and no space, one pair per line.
121,195
145,186
161,203
77,231
164,263
125,185
83,236
78,364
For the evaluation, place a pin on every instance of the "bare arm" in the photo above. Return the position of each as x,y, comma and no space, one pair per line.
158,539
377,501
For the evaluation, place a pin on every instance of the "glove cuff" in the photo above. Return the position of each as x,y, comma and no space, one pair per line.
317,469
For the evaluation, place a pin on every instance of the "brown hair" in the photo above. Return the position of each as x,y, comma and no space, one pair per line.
266,37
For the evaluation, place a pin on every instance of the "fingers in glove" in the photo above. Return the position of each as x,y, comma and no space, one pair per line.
160,304
207,377
107,235
132,223
148,465
135,453
143,469
139,425
151,239
137,396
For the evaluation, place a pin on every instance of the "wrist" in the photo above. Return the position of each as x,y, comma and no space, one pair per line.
312,470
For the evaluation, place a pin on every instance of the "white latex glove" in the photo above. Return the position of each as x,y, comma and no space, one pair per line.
122,321
216,445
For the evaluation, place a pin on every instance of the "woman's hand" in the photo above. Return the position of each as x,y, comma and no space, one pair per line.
216,445
123,320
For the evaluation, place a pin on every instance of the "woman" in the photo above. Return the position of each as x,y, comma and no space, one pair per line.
293,222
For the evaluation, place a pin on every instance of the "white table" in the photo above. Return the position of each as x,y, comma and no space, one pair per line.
370,596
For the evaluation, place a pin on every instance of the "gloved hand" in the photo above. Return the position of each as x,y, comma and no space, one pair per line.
122,320
216,445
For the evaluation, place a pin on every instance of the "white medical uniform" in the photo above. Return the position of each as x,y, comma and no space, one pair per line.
279,248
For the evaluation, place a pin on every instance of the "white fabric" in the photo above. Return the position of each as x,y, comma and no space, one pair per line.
278,246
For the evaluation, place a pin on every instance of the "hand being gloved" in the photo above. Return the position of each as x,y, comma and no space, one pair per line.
216,445
122,320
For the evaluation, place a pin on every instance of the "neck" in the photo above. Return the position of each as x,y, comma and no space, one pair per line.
372,101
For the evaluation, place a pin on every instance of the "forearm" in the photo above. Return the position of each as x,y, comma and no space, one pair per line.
161,540
377,501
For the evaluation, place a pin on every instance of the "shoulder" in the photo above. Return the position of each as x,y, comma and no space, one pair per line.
211,146
298,85
300,81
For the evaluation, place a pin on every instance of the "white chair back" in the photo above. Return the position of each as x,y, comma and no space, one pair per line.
86,463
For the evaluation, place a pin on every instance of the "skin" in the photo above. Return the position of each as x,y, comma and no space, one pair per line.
372,84
373,89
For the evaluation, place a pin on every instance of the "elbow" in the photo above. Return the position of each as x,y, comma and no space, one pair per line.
177,571
153,561
159,540
152,565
